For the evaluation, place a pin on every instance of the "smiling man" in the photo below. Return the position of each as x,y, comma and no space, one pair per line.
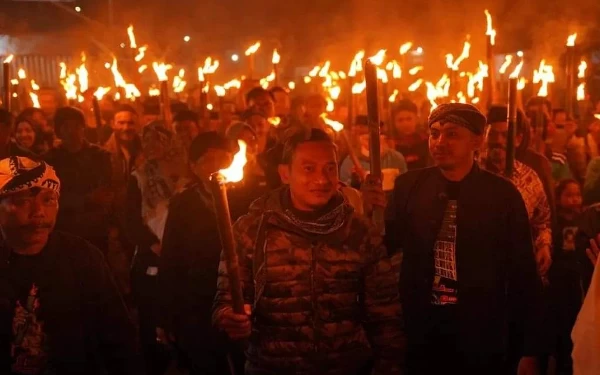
467,255
323,291
60,312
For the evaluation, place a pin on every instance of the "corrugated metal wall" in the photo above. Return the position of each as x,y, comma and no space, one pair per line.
44,70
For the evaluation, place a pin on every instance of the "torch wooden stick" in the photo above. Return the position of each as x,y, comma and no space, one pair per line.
6,99
512,126
374,134
219,193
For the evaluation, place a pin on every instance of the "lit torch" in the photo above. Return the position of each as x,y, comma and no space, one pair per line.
218,187
250,53
132,43
570,73
161,73
355,66
512,120
543,75
275,60
338,127
491,41
6,99
98,95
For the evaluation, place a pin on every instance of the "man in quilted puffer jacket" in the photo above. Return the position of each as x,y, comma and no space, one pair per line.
323,294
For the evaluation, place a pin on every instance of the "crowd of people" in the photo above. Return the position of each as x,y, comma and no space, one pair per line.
111,256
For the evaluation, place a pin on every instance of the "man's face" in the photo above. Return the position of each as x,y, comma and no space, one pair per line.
452,146
406,122
186,131
312,175
560,118
28,217
72,134
495,141
282,103
212,161
264,104
125,126
571,199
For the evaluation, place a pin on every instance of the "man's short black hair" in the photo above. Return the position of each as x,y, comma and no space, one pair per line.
277,89
186,115
256,92
6,118
499,113
66,114
126,108
205,141
297,135
405,105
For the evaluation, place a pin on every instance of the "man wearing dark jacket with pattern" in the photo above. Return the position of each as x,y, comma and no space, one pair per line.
468,260
324,297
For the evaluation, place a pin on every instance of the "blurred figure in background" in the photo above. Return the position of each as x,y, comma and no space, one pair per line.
262,101
8,147
410,141
187,127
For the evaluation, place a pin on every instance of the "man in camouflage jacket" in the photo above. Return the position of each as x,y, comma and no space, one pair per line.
323,294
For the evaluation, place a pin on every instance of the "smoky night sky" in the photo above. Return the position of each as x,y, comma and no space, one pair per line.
319,28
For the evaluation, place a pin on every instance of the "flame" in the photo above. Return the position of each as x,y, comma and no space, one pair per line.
475,100
233,83
432,94
336,126
461,97
210,107
476,80
9,59
382,75
34,85
63,70
307,79
449,61
206,88
220,90
334,92
415,70
252,49
34,99
200,74
571,40
82,76
342,75
517,70
235,172
314,71
521,83
153,91
178,82
490,30
276,58
131,35
161,70
463,55
141,53
356,65
131,91
21,74
14,81
69,86
396,70
378,58
581,91
582,67
325,69
142,68
330,105
275,121
358,88
405,48
545,75
292,85
415,85
334,76
210,67
119,80
394,95
506,64
101,91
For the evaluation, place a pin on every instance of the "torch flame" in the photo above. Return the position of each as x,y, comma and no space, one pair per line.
252,49
220,90
142,68
82,76
292,85
449,61
330,105
63,70
336,126
571,40
356,65
506,64
378,58
415,85
582,67
276,57
9,59
235,172
14,81
210,67
200,74
432,94
34,100
100,92
34,85
544,75
490,30
463,55
521,83
275,121
161,70
382,75
358,88
581,91
325,69
314,71
153,91
233,83
21,74
392,98
517,70
334,92
415,70
131,35
405,48
178,82
141,53
396,70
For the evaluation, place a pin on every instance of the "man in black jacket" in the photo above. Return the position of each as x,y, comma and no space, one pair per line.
467,255
60,312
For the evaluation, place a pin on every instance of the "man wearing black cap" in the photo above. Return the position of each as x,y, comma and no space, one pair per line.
467,254
190,260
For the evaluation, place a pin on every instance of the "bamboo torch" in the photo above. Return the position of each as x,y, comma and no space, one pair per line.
6,99
582,101
374,134
218,187
165,101
250,53
491,42
569,73
98,94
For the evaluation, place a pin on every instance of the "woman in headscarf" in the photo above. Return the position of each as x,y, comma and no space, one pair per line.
162,174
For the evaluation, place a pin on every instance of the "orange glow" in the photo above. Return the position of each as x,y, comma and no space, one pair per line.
545,75
378,58
220,90
275,121
336,126
330,104
571,40
517,70
521,83
463,55
358,88
581,91
35,101
307,79
132,43
276,58
9,59
506,64
14,81
252,49
382,75
200,74
178,82
210,67
461,97
69,86
235,172
101,91
581,69
314,71
405,48
161,70
490,30
449,61
392,98
334,92
396,70
415,70
356,65
415,85
153,91
141,53
34,85
233,83
82,76
21,74
292,85
325,69
63,70
142,68
432,94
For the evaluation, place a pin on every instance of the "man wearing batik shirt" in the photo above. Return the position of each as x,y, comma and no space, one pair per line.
529,185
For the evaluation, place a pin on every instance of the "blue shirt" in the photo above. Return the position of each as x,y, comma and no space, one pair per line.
389,159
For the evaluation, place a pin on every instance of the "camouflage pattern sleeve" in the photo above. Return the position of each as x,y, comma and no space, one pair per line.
244,233
383,320
541,221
